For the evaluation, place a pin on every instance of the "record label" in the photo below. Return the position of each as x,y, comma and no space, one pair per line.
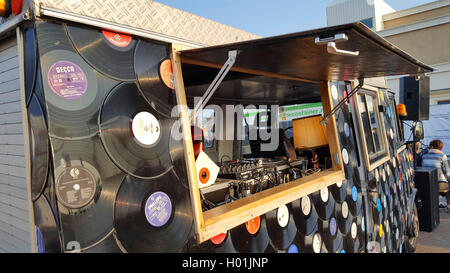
346,129
218,239
334,92
117,39
76,187
253,225
333,226
380,230
317,243
339,184
378,205
354,230
293,249
306,205
158,209
40,243
166,73
377,175
344,209
345,156
354,194
363,227
283,216
203,176
146,128
67,80
324,195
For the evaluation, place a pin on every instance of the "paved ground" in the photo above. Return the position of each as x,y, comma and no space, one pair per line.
437,241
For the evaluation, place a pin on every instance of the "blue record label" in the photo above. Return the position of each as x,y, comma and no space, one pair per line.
40,244
378,205
354,194
158,209
293,249
333,226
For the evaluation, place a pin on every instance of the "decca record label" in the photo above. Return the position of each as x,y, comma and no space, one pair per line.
158,209
76,187
67,80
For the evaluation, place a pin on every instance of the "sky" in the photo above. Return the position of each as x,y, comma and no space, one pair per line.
269,17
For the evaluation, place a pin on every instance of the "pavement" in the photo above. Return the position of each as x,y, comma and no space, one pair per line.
437,241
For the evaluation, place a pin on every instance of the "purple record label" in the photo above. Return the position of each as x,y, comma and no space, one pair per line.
333,226
67,80
158,209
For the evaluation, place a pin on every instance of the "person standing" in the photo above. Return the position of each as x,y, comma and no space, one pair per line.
437,159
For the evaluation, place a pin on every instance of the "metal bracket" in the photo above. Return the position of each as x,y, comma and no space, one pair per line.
215,84
341,103
331,45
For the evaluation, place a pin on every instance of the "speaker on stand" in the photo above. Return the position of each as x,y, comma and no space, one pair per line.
428,194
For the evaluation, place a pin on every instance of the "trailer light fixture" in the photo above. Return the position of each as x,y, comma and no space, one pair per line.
401,110
16,6
5,8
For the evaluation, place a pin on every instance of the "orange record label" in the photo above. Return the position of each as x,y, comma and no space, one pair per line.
204,176
217,240
166,72
119,40
253,225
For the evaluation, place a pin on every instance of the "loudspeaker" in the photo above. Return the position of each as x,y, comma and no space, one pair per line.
428,192
416,96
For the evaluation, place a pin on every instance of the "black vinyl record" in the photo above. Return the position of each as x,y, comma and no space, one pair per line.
354,199
147,62
343,217
86,183
305,215
39,148
74,91
137,138
110,53
351,240
107,245
331,236
324,203
153,215
339,191
251,237
47,235
281,227
30,56
311,243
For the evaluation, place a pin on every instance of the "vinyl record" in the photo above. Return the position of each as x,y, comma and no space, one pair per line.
74,91
137,138
331,236
86,183
311,243
324,203
107,245
30,56
281,227
218,244
339,191
354,199
351,242
39,147
343,217
305,215
110,53
153,215
153,71
251,237
47,235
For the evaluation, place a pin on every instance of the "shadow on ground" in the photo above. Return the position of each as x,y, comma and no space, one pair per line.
437,241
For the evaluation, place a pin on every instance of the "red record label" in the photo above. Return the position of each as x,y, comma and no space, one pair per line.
16,6
253,225
166,72
204,176
217,240
116,39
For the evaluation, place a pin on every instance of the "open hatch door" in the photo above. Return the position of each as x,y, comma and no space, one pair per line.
277,63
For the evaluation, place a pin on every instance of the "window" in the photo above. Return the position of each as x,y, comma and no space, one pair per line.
368,22
373,133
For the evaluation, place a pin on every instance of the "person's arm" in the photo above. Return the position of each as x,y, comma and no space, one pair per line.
445,167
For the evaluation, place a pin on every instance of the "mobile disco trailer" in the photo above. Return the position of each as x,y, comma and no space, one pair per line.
101,152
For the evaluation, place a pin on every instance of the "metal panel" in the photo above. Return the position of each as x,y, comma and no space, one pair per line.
14,201
152,16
